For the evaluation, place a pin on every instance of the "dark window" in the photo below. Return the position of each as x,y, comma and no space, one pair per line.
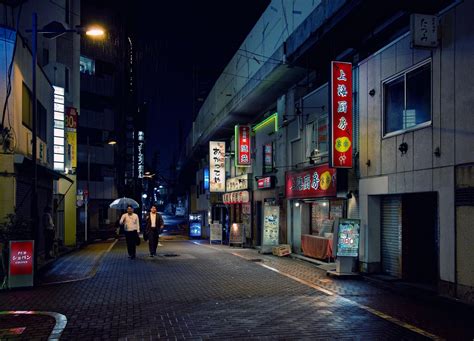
66,79
407,100
26,107
42,119
67,11
45,57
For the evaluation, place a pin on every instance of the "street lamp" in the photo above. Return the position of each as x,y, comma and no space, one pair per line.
52,30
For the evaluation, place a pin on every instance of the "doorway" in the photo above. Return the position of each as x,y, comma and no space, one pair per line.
420,238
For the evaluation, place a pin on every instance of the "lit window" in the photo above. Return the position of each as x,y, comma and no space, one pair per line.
407,100
87,66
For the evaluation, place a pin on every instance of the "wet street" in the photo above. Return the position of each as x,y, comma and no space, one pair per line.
197,291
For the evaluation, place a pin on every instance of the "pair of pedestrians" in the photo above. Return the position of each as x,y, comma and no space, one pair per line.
131,222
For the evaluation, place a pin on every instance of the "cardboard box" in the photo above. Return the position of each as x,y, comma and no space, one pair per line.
281,250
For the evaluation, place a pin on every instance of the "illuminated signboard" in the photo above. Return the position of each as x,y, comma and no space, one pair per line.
313,182
71,137
348,237
237,183
58,131
140,155
268,158
242,145
21,262
206,178
266,182
217,166
340,151
240,197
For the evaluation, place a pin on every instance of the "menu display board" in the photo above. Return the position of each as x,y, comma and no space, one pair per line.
348,238
271,224
216,232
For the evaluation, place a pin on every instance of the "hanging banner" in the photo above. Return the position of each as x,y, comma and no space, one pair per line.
242,146
21,260
217,166
340,151
314,182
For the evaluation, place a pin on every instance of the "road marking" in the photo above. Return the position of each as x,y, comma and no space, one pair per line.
331,293
60,324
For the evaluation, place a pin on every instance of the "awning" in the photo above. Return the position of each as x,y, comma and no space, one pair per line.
26,162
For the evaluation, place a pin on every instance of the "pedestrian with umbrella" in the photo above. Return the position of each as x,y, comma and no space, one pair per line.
131,224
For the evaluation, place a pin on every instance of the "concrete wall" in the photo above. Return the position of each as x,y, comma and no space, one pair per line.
451,130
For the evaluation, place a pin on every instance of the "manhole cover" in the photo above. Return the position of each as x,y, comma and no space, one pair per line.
255,260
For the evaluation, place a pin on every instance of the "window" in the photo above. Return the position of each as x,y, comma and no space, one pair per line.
42,119
407,100
67,11
66,79
26,107
87,66
319,137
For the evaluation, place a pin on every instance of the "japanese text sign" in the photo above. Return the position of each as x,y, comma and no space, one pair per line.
242,138
313,182
341,115
348,237
217,166
21,263
237,183
267,158
240,197
266,182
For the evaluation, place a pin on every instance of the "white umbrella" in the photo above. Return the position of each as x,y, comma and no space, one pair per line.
123,203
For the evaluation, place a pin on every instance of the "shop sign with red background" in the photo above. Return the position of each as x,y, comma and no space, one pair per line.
21,260
266,182
340,151
314,182
242,138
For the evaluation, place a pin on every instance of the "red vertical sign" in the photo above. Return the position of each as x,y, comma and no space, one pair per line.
21,258
341,115
242,139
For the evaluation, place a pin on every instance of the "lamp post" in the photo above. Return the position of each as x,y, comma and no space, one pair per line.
52,30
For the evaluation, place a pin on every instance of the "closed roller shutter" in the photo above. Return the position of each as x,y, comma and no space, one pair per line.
391,236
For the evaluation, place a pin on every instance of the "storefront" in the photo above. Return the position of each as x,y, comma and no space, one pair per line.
238,201
314,206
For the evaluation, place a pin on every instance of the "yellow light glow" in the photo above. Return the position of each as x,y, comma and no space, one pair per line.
95,32
112,142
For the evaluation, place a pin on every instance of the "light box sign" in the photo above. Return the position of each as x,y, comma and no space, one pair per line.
237,183
71,137
266,182
206,178
217,166
340,151
268,158
242,140
241,197
21,262
314,182
348,237
58,130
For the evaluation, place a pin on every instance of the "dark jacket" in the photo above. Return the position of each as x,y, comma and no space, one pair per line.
159,223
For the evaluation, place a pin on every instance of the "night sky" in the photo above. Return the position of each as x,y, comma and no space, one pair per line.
182,49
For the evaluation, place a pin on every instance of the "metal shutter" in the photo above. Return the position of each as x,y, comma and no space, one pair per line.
391,236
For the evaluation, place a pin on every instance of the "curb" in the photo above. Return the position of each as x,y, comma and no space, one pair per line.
59,326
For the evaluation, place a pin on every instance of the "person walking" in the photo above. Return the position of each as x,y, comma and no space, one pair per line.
154,224
49,231
131,224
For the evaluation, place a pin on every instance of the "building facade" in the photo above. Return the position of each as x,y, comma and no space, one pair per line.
411,176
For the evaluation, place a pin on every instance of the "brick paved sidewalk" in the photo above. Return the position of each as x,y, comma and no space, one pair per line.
77,265
452,322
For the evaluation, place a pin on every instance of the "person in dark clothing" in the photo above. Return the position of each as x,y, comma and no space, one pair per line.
49,231
154,224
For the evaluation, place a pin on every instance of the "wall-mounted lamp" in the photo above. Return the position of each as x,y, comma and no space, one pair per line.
297,204
403,148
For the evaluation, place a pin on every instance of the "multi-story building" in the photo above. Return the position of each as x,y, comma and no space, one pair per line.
57,86
410,183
